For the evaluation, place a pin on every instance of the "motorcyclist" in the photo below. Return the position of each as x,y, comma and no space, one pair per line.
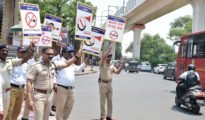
186,80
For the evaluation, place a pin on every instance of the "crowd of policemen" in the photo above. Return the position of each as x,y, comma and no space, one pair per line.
38,78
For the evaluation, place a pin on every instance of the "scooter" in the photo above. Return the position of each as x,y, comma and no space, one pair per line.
193,99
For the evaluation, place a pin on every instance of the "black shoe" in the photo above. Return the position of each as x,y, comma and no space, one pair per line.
53,108
108,118
52,113
24,118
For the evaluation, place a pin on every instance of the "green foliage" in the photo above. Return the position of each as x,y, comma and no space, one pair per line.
62,8
155,50
180,27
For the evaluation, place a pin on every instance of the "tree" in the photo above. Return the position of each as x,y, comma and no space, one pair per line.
180,27
155,50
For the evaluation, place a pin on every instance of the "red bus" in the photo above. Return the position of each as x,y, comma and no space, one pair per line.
192,51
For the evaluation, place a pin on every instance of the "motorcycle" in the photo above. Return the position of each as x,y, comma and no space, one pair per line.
193,99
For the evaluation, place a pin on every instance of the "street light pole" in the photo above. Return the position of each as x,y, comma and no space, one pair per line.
103,16
123,7
112,6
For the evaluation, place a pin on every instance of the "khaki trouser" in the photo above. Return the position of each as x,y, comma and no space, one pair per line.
54,99
26,109
6,99
106,92
64,103
42,105
16,100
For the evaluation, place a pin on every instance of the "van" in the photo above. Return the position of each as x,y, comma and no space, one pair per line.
169,71
133,66
145,66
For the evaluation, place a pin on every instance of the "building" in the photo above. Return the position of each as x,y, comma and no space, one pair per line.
9,16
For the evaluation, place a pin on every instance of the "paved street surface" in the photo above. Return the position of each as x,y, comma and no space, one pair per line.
143,96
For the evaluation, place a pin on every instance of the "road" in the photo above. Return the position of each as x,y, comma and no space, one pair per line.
143,96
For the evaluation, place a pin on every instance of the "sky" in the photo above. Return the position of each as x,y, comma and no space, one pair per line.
158,26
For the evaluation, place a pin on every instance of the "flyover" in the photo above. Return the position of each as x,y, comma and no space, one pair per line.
140,12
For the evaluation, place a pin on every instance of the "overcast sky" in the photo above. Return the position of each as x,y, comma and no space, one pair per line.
159,26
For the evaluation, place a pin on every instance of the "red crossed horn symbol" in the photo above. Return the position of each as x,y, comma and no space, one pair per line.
88,18
98,38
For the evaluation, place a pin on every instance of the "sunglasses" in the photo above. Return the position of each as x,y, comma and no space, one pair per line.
49,54
22,51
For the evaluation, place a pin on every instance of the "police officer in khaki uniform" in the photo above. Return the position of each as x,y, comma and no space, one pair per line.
105,84
30,62
6,67
42,76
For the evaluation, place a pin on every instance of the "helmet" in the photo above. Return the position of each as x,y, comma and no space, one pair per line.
191,67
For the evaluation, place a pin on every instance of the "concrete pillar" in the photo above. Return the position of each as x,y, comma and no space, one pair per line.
137,29
198,22
113,50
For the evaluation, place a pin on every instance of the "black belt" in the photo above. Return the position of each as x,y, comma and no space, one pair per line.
106,81
43,91
17,86
66,87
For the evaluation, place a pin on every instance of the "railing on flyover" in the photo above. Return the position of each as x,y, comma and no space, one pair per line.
130,4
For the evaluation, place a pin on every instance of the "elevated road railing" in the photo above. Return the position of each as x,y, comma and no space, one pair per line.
130,5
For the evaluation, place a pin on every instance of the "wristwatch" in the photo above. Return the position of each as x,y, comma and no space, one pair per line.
76,57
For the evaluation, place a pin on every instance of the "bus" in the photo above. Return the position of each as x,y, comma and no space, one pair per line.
192,51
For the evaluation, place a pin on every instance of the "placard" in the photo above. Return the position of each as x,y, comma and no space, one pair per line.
30,17
63,37
114,29
44,40
94,45
55,23
83,22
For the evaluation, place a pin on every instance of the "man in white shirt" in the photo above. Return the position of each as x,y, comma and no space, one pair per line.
1,103
186,80
18,81
65,85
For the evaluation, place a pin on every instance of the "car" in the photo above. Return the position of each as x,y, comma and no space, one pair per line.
145,66
169,71
159,68
133,66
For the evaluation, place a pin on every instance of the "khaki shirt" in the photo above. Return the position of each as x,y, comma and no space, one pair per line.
42,75
106,71
6,70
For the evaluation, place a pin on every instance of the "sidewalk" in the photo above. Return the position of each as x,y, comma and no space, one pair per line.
87,70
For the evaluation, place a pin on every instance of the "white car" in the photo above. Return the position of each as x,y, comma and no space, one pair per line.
159,68
145,66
